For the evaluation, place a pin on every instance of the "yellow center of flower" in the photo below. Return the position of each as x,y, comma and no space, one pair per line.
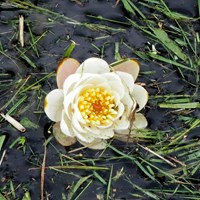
97,106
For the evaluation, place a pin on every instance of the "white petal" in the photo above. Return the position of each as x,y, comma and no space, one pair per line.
65,125
118,87
117,97
77,114
122,124
105,126
66,67
122,132
129,102
61,137
94,65
93,79
53,105
77,125
127,80
130,66
96,144
104,85
71,99
112,76
99,133
83,136
140,95
140,121
120,111
68,100
115,83
69,83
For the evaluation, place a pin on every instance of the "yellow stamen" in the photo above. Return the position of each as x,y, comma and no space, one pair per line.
97,106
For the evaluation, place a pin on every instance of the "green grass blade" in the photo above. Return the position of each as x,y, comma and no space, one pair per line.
127,6
199,7
161,35
109,184
2,197
70,49
192,105
147,193
76,186
2,139
166,60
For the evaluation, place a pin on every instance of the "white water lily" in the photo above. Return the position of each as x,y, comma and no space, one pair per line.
94,103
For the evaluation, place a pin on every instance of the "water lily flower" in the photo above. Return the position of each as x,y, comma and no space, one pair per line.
95,102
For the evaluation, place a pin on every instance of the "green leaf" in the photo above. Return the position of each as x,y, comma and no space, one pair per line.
169,43
28,124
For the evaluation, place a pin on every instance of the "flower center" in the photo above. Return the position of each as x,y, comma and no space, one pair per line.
97,106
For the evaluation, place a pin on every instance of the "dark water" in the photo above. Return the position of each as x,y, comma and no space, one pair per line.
56,35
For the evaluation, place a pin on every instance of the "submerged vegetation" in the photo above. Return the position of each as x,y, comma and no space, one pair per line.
156,163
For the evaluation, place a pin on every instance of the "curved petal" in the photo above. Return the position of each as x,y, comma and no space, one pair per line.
120,111
97,144
93,65
101,134
118,87
140,121
66,67
83,137
93,79
114,80
122,124
69,83
117,97
130,66
61,137
77,125
111,76
71,101
68,100
129,102
140,95
53,105
65,125
127,80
